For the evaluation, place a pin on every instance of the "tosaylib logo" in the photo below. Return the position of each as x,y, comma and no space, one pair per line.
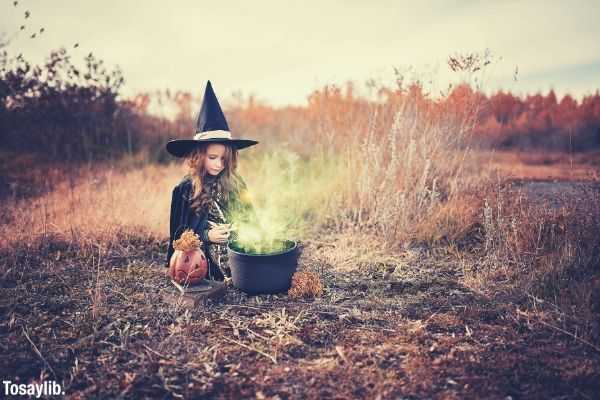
47,388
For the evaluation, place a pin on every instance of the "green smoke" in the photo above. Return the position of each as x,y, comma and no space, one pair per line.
290,195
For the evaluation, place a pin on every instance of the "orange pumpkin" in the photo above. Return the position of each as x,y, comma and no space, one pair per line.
188,267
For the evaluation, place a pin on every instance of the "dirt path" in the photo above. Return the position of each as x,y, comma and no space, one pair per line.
556,193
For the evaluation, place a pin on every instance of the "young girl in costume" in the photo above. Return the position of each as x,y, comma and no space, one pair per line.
211,194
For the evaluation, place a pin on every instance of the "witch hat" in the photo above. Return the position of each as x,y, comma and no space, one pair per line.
211,128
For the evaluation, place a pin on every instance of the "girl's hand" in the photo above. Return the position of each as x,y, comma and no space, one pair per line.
219,233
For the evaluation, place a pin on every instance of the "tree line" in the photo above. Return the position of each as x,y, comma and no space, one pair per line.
57,111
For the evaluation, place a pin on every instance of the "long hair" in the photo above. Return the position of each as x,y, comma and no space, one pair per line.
226,181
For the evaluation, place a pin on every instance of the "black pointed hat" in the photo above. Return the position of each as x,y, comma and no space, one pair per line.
211,128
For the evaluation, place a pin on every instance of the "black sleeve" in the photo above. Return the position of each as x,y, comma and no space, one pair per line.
174,219
203,230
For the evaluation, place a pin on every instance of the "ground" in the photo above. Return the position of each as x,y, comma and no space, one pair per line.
413,326
410,328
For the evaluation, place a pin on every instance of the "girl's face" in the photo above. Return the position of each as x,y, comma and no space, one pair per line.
214,162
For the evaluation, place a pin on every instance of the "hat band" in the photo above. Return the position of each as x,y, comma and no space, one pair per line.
212,135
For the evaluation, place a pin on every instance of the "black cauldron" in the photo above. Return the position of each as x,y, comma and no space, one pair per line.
263,273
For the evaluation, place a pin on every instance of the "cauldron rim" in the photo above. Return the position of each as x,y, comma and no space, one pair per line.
294,247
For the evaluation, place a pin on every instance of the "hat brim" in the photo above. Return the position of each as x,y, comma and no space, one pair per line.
182,147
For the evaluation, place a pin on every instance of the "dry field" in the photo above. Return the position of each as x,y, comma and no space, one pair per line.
472,316
447,273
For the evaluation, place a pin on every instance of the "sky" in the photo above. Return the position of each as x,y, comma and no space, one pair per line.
281,51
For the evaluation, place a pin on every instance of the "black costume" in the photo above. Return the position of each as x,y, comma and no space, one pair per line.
211,127
219,211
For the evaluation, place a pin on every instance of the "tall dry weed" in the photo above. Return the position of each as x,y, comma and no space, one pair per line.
412,160
547,249
387,168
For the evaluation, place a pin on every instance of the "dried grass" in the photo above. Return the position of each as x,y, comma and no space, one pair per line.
544,246
101,207
305,284
187,241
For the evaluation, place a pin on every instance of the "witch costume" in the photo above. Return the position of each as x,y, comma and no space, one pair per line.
211,127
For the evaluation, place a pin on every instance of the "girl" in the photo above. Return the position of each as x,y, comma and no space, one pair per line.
211,193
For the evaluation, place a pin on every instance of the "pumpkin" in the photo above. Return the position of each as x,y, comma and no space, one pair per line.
188,267
188,264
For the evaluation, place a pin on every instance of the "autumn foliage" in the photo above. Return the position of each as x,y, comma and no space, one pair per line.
65,113
541,121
